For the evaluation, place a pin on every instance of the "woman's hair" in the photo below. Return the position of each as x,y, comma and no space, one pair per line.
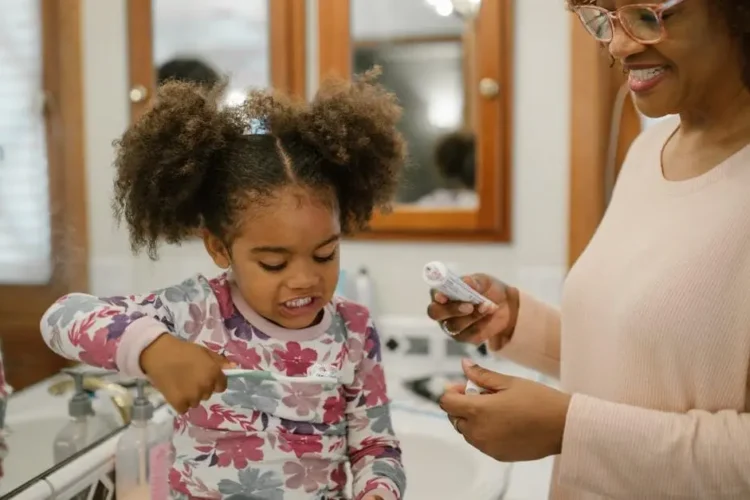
189,164
454,157
736,15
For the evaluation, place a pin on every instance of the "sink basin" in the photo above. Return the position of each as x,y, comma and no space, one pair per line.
35,437
439,463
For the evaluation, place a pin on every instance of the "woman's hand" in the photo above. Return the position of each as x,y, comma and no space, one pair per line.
517,420
477,324
184,373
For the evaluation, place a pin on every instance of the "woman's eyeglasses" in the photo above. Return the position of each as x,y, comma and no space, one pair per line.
644,23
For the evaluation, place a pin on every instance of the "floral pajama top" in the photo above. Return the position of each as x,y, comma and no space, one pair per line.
258,440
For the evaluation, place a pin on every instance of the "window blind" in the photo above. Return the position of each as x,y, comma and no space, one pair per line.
25,235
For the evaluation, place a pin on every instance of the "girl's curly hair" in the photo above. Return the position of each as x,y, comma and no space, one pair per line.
189,164
734,13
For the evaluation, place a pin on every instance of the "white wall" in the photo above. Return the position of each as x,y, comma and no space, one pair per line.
535,260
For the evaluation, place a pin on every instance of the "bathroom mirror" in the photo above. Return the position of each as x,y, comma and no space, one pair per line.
448,61
254,43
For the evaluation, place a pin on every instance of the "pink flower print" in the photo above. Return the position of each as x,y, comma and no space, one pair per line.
177,481
200,417
370,447
333,409
338,477
238,451
294,360
309,476
354,347
356,316
300,445
223,294
358,422
241,354
374,386
201,319
96,350
304,397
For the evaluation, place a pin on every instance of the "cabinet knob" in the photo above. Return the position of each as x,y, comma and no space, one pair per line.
489,88
139,93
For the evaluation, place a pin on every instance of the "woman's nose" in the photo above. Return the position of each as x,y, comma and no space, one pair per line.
623,45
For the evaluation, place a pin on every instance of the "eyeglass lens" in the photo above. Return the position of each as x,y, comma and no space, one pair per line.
641,23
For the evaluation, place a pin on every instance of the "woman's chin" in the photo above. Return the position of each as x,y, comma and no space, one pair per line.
653,105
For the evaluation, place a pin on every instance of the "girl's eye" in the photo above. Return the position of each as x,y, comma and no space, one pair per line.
272,268
327,258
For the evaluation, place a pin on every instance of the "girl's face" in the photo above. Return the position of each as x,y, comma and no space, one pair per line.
693,69
285,259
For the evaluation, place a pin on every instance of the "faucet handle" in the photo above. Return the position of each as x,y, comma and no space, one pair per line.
87,371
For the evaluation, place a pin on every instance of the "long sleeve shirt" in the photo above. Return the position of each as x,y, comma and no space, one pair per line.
260,439
653,338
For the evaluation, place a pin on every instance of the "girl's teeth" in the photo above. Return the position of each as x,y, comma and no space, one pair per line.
298,302
643,75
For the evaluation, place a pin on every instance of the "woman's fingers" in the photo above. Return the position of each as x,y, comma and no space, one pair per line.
441,312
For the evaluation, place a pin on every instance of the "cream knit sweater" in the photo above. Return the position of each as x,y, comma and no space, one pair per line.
653,338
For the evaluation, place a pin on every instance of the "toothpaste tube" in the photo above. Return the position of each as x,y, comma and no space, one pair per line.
472,389
440,278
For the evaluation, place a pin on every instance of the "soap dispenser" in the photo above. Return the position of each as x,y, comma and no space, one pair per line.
84,428
143,455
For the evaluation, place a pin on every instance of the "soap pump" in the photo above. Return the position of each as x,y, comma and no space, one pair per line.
143,455
84,428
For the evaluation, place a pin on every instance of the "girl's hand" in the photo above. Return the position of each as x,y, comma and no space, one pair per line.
477,324
184,373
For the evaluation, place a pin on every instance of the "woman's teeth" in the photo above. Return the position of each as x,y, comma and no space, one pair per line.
646,74
302,302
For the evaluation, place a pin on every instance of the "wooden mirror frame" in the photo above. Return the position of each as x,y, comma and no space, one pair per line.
493,123
287,32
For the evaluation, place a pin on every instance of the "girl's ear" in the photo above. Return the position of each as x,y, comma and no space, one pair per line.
216,249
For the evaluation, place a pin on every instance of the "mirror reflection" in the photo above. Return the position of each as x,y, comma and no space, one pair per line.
202,40
425,54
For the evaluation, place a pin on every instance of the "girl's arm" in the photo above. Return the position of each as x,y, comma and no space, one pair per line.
373,449
111,332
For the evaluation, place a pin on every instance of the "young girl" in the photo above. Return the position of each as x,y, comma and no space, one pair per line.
271,187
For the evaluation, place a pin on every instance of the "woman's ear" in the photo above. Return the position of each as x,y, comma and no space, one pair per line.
216,249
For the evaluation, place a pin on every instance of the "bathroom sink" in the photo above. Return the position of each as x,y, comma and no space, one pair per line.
439,463
29,448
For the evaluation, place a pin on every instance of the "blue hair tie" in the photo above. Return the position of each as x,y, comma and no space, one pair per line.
256,127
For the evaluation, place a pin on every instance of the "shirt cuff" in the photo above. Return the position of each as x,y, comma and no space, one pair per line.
140,334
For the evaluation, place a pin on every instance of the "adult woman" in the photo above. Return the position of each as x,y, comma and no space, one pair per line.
652,342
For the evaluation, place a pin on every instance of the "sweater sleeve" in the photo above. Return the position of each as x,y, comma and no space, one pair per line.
111,332
535,343
374,450
622,451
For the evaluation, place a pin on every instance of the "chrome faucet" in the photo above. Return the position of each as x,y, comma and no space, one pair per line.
92,381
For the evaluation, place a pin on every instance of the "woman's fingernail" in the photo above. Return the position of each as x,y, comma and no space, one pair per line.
441,299
466,308
467,363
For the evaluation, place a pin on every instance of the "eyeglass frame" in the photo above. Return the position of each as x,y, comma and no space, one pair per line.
658,10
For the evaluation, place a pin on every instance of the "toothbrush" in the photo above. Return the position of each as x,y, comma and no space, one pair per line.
439,277
266,375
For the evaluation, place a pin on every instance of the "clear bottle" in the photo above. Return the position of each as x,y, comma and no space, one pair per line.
84,428
143,455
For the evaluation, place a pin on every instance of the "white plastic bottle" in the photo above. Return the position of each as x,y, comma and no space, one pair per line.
84,427
143,455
